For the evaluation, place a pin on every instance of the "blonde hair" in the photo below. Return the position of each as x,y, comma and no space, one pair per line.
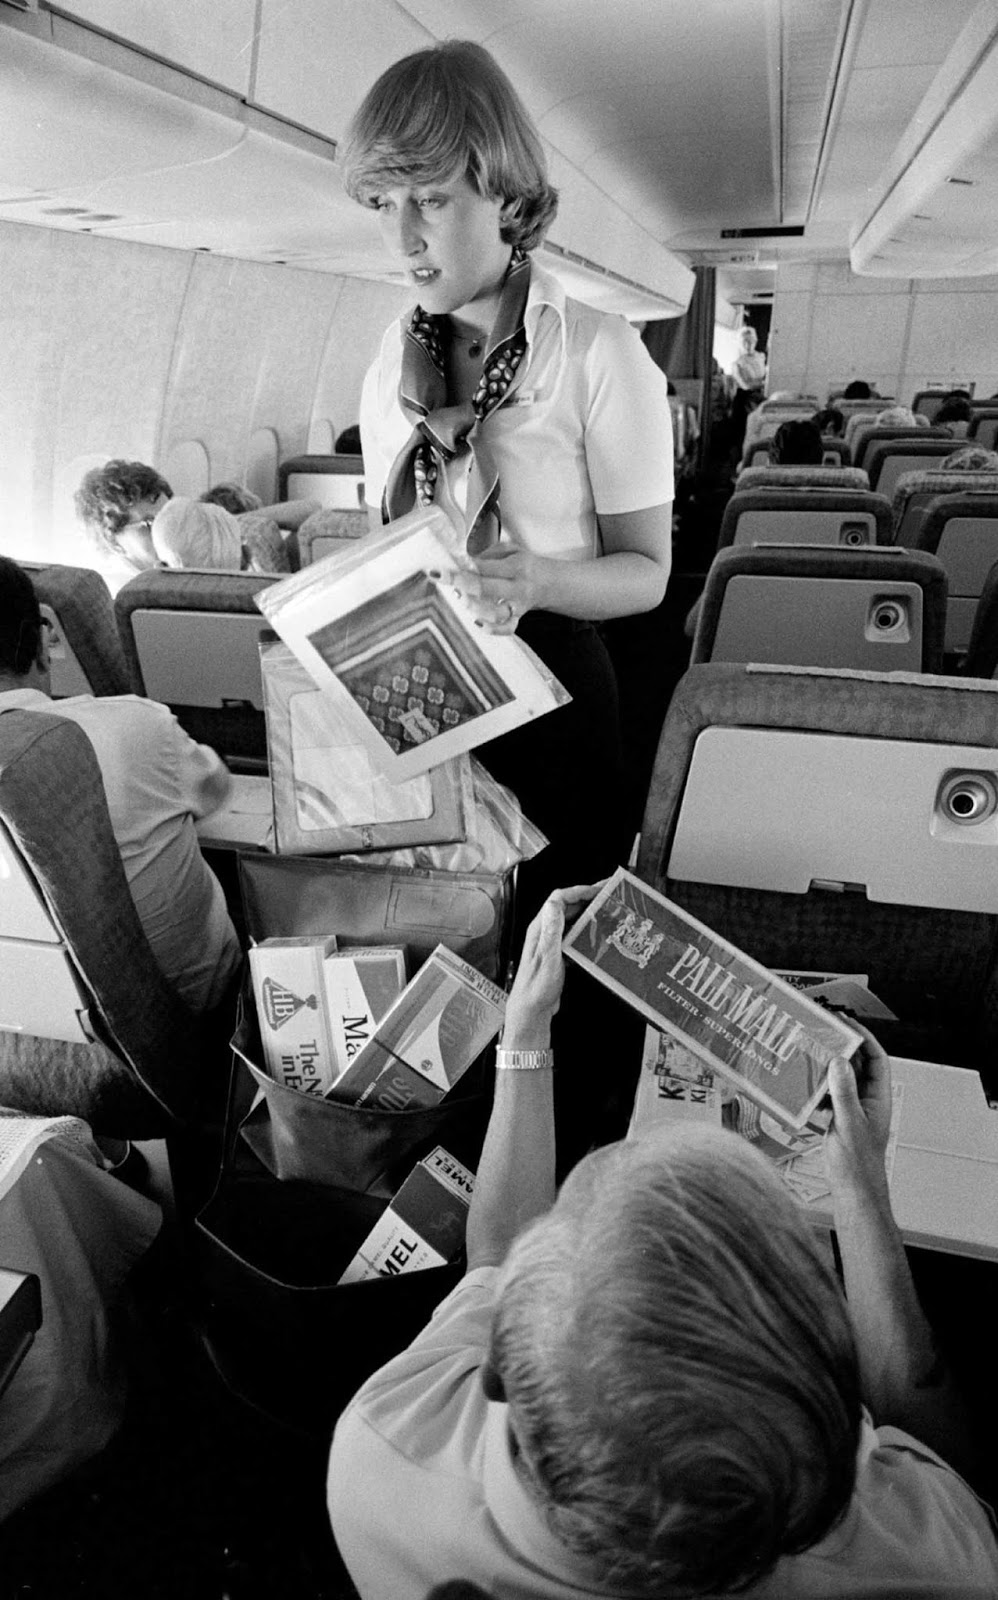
679,1367
192,533
451,109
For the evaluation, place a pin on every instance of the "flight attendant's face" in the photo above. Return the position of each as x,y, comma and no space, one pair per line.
447,238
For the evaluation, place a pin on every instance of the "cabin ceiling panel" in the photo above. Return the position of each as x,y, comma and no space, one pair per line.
318,58
211,37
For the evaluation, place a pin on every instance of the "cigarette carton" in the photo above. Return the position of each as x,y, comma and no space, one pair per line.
289,987
423,1226
360,986
762,1034
438,1026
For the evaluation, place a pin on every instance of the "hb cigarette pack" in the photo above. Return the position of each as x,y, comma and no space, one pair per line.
288,987
439,1025
328,796
759,1032
422,1227
397,649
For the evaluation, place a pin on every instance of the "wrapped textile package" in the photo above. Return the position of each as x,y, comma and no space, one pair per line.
399,651
329,796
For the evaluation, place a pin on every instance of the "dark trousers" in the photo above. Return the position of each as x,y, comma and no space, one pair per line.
567,770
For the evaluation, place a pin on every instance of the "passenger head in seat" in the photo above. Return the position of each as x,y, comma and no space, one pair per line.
797,444
857,390
23,658
955,414
116,504
233,497
830,421
445,111
189,533
970,458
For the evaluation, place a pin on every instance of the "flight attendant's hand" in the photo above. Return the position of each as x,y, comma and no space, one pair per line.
503,583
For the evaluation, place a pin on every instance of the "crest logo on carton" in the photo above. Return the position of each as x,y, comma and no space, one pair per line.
281,1004
634,939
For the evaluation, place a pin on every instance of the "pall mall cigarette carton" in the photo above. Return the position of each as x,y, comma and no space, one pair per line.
423,1226
438,1026
360,986
289,989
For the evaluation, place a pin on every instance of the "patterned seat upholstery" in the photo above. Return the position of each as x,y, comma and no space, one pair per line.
876,608
802,477
326,531
152,1066
914,490
805,516
87,657
806,816
192,639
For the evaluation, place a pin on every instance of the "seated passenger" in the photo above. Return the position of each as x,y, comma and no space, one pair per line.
190,533
858,389
233,497
157,782
970,458
899,417
955,414
348,442
652,1385
117,504
796,444
831,421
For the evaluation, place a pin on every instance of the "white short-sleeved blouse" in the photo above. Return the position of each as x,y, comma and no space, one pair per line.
587,432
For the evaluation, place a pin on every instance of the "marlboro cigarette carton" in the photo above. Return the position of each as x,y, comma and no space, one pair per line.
763,1035
439,1025
360,986
289,988
422,1227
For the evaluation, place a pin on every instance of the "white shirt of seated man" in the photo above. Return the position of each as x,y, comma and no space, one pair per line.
158,782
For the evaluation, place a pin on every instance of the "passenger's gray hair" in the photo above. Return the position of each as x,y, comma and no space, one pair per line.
191,533
679,1366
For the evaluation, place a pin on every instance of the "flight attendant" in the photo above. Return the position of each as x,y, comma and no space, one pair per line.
541,426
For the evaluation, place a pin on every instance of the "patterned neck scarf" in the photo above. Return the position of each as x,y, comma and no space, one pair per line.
442,432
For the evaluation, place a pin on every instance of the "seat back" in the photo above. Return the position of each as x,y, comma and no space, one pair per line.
88,1024
849,517
927,401
841,821
336,481
981,660
193,641
327,531
877,608
84,645
915,489
983,428
835,452
962,531
867,434
809,477
887,459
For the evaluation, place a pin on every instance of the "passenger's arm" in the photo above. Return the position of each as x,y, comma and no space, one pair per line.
515,1181
205,781
629,577
905,1381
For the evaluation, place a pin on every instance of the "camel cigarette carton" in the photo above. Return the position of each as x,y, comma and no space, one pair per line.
438,1026
760,1033
423,1226
289,989
360,986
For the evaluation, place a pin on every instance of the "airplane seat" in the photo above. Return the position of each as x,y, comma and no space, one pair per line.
841,821
886,460
326,531
84,645
192,639
851,517
983,428
336,480
802,477
914,490
981,659
868,434
927,402
836,452
962,531
89,1026
876,608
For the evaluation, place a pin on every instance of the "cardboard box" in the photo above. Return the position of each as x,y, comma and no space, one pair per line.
328,796
398,650
360,986
289,989
763,1035
439,1025
423,1226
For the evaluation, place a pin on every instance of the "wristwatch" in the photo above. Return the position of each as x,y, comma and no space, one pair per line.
524,1060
